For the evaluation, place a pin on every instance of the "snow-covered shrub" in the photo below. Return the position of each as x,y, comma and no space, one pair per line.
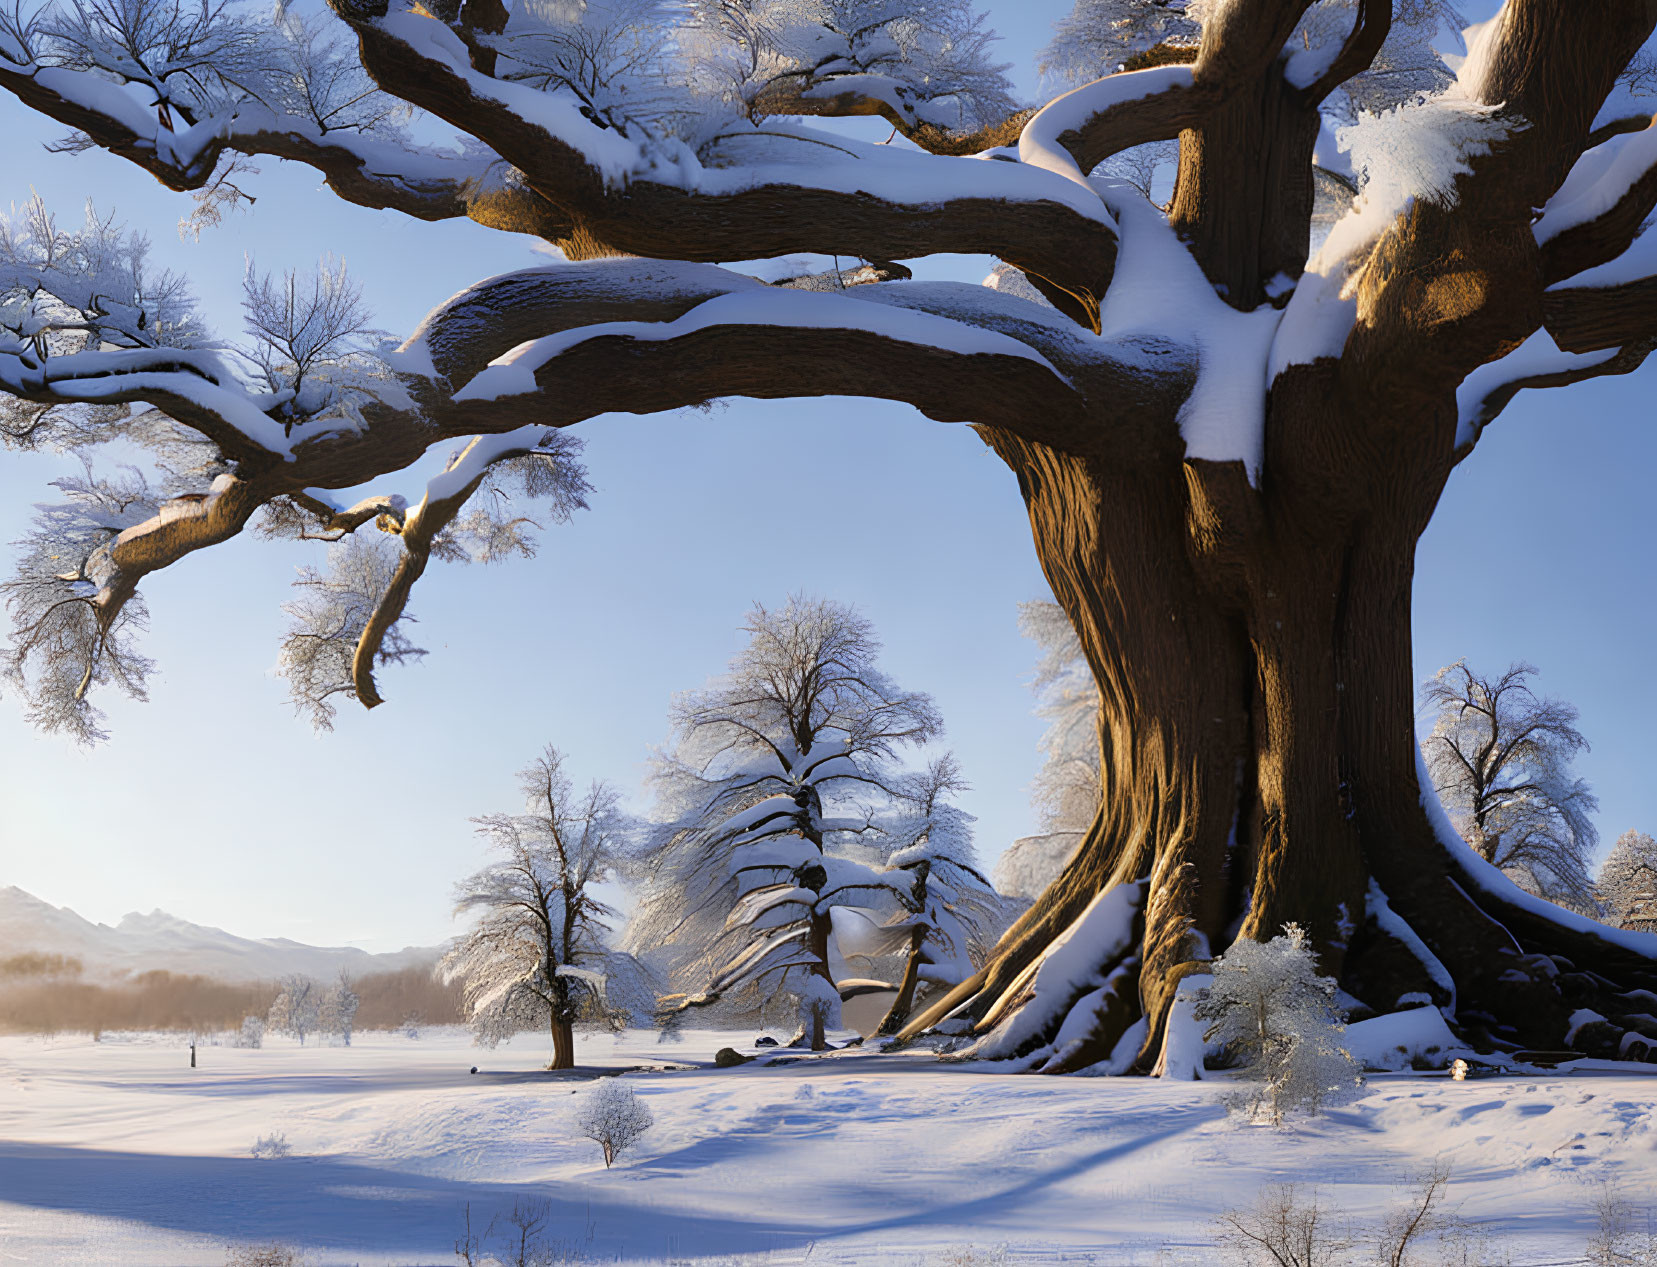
273,1145
411,1026
1268,1007
272,1254
252,1032
613,1117
969,1256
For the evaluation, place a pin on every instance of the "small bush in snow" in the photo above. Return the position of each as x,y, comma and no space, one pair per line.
1285,1226
273,1254
252,1033
1269,1007
411,1026
1624,1236
1290,1227
969,1256
272,1145
517,1239
613,1116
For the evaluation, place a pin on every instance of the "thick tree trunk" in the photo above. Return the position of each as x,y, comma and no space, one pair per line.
1259,766
904,1001
822,927
563,1040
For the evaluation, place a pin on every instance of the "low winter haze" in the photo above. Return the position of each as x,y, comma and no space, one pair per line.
214,802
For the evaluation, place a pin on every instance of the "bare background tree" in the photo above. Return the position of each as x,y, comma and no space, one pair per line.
537,955
1500,758
1067,789
295,1009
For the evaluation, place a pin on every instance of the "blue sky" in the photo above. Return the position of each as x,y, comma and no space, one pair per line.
214,802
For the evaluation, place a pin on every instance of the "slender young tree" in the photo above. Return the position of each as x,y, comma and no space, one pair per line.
1231,417
1500,759
537,954
949,913
758,798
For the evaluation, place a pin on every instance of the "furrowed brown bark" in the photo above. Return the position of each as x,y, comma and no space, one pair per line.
563,1041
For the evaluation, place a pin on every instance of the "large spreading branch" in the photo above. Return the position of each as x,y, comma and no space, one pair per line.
1453,281
360,168
545,348
653,199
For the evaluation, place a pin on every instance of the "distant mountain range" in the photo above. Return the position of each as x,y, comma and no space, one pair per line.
142,943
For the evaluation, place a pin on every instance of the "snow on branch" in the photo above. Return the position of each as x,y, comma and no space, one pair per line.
1601,206
1076,132
748,190
924,68
180,88
1537,362
347,623
516,372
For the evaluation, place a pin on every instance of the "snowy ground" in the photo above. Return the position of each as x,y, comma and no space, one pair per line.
118,1152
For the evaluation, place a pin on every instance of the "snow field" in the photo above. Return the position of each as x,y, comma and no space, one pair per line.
118,1152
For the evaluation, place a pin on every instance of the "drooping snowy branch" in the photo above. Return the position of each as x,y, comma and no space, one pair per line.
63,642
348,622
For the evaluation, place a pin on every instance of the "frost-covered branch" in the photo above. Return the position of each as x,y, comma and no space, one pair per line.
762,191
180,89
348,622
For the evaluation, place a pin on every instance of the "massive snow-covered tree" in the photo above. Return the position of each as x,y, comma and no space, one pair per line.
767,785
537,955
1500,758
1229,444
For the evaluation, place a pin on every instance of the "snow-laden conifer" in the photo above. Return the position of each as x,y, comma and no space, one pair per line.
1269,1007
770,777
949,912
